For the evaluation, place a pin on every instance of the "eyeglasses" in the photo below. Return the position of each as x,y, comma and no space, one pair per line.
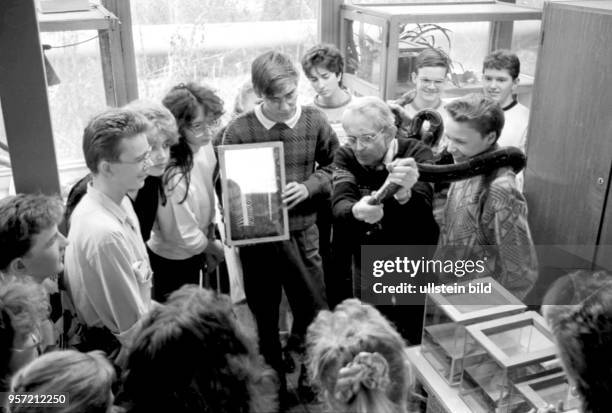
364,140
434,82
144,161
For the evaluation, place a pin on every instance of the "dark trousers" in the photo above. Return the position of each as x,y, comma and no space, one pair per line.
170,275
294,265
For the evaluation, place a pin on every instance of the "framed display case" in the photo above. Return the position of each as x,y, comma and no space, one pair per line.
252,182
447,315
553,389
380,41
500,354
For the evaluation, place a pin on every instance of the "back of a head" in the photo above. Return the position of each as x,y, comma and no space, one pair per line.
24,305
432,58
104,132
22,217
480,112
355,347
271,69
191,355
578,307
84,378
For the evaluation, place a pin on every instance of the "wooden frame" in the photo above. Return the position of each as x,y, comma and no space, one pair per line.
529,390
500,14
256,169
513,306
116,45
481,331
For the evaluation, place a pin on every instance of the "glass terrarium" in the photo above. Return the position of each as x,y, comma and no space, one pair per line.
447,315
550,390
380,42
500,354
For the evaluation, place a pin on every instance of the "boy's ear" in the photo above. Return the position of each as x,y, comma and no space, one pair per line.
491,138
17,266
413,77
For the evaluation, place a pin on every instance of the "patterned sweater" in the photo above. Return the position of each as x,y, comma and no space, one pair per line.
311,142
486,218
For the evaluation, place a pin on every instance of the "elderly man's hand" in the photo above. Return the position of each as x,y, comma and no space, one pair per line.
403,172
363,211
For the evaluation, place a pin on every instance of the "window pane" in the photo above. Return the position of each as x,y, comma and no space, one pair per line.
215,41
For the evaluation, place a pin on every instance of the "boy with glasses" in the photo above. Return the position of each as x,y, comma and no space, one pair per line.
372,155
432,68
107,267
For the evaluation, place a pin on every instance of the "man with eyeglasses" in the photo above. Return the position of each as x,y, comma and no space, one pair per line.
107,267
372,155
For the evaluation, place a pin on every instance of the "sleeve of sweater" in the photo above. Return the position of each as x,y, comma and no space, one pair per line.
505,218
345,190
423,191
327,145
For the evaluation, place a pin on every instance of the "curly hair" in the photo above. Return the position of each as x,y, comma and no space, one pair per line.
24,305
21,218
183,101
86,378
192,356
356,344
578,308
325,55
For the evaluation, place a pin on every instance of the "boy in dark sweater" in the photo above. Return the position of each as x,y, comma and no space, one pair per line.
295,264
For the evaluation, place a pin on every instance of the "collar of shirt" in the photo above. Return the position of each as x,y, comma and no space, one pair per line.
117,210
268,124
389,156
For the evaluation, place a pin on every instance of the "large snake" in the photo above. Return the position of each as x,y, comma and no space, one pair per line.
439,173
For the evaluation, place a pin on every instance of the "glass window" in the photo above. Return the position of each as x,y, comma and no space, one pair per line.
215,41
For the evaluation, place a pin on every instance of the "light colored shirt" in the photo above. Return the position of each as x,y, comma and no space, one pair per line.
334,116
182,229
514,133
107,266
269,123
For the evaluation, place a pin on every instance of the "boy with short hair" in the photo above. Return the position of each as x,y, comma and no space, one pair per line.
30,241
295,264
500,74
432,68
107,265
485,217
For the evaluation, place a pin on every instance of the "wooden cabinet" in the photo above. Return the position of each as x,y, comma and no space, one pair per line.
567,181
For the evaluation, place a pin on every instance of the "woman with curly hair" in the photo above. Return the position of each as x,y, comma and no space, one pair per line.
183,241
357,360
24,310
190,356
578,308
85,378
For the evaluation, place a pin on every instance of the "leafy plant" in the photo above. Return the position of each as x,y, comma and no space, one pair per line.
424,35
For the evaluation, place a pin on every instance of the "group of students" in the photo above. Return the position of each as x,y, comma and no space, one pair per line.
142,226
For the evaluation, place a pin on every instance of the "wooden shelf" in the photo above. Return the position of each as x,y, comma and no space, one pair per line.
445,13
97,18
